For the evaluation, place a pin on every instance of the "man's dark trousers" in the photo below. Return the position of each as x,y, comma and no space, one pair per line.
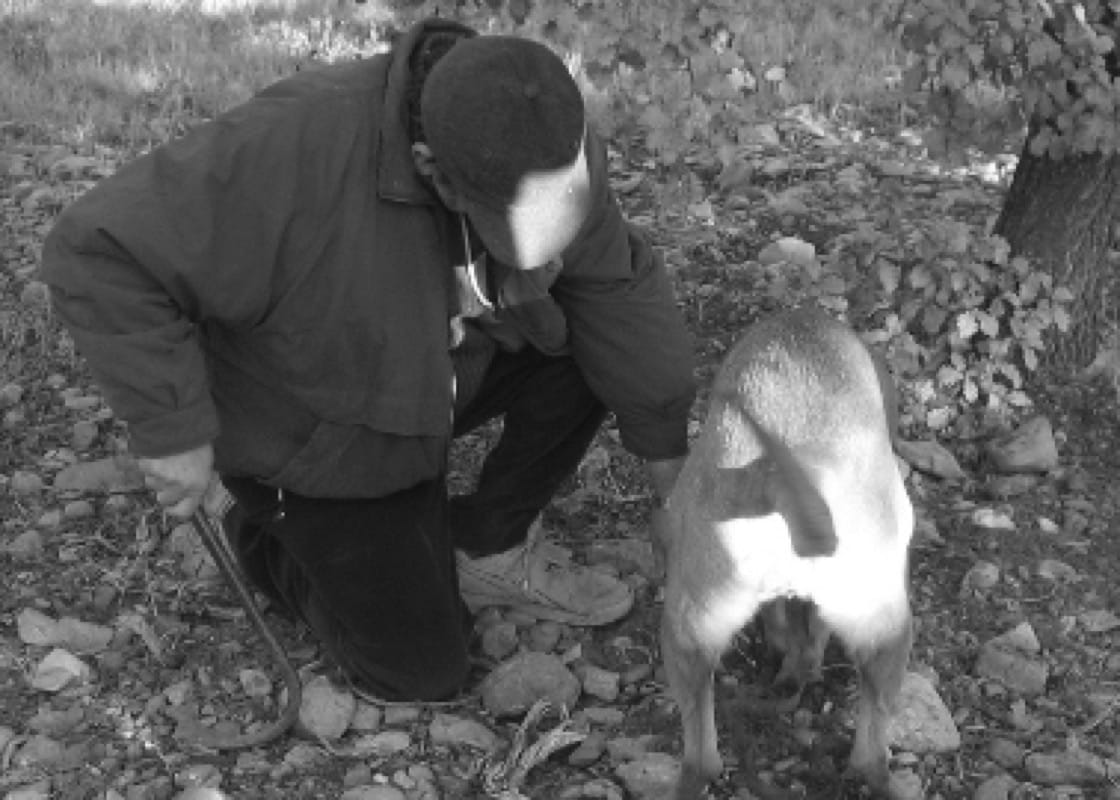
375,579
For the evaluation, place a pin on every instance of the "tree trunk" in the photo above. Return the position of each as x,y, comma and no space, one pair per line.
1062,214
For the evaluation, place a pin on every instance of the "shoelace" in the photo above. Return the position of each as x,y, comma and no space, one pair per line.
529,550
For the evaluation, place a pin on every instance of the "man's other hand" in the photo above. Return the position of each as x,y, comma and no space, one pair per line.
179,480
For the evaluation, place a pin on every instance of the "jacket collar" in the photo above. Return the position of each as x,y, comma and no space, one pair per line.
398,178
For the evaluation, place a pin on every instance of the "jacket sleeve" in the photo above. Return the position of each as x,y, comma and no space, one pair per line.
191,234
625,330
143,351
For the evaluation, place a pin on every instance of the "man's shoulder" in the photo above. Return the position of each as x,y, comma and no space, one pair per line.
304,110
363,77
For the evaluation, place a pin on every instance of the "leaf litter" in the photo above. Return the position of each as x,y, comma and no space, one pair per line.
100,617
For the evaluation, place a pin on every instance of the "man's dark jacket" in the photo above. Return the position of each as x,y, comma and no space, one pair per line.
280,282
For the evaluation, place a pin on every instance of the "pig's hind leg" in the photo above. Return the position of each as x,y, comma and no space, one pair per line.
694,635
878,641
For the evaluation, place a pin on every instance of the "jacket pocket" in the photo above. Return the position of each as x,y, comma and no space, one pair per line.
352,461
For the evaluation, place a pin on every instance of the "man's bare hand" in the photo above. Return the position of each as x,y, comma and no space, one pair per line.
663,475
179,480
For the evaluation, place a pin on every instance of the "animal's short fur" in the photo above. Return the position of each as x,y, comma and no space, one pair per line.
790,491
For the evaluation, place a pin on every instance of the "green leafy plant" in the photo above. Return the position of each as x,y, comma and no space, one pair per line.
962,321
694,79
989,66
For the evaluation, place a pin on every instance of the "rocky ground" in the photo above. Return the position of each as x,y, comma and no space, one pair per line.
121,648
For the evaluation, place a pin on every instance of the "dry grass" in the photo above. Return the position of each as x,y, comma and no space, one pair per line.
128,71
136,71
836,53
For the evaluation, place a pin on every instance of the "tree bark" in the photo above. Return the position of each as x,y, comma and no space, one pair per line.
1062,215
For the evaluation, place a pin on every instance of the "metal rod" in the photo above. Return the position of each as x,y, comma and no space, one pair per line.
212,538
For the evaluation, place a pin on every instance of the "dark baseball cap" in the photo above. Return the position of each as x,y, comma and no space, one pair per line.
505,123
496,108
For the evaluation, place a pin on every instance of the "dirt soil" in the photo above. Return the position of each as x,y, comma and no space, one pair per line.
189,637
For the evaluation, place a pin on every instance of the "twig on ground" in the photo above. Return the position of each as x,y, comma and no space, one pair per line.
1100,716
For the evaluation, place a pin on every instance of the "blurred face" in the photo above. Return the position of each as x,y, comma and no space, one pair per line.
544,218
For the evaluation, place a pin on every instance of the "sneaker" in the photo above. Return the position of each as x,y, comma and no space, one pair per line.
540,579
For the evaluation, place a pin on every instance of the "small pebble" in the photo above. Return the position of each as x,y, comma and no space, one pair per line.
81,402
906,785
520,618
1006,753
196,793
636,674
56,722
589,750
6,736
544,636
499,640
35,791
374,792
255,683
110,662
10,394
104,596
382,744
983,576
25,484
367,717
599,682
38,751
35,294
78,509
203,776
604,716
357,775
28,545
488,616
400,715
83,434
116,504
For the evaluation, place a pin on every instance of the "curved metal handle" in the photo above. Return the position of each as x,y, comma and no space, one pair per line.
212,538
